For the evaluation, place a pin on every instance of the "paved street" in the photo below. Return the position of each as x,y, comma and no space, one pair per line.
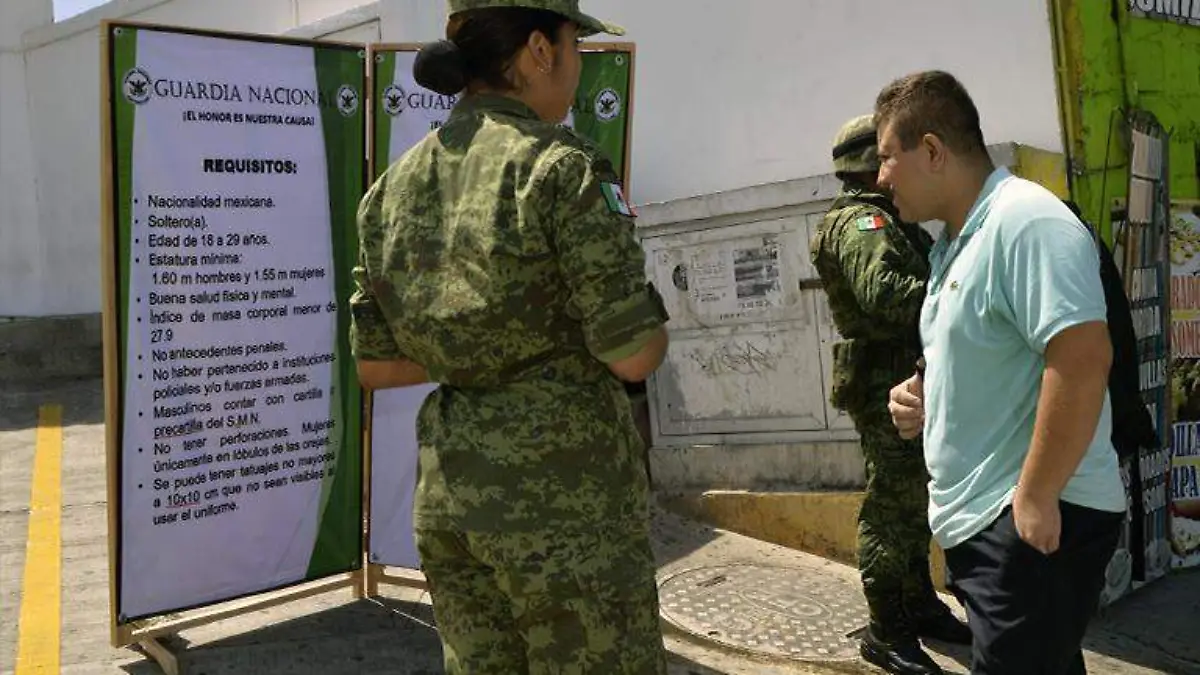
54,588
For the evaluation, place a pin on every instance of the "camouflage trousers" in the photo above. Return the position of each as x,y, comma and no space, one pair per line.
544,602
893,527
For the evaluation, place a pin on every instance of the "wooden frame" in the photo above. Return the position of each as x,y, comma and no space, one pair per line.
146,632
110,318
375,573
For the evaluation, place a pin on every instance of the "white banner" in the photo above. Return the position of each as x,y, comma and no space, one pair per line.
394,474
232,408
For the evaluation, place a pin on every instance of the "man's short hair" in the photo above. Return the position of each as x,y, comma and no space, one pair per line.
931,102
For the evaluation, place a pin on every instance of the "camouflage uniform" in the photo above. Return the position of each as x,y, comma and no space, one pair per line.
874,268
498,255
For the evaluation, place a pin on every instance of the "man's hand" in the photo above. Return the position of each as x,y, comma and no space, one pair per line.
906,403
1070,403
1038,521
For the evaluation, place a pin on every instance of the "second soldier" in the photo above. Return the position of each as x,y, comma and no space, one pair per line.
874,269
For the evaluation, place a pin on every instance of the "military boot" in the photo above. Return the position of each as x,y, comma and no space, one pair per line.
899,656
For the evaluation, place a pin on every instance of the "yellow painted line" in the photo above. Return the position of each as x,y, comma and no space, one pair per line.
39,631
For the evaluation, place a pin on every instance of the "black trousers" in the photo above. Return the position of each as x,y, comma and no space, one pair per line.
1028,612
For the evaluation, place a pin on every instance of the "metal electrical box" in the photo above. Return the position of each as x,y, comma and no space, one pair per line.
750,330
746,330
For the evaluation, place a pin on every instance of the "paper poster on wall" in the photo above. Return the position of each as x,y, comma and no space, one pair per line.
1174,11
1185,285
404,114
1185,346
1140,249
1144,552
235,182
730,280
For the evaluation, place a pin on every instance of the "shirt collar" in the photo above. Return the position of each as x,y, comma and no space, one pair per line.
945,246
477,103
983,204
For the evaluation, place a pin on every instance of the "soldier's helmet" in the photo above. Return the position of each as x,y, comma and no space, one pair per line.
588,25
855,147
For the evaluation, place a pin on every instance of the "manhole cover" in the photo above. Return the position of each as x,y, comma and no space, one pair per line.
775,611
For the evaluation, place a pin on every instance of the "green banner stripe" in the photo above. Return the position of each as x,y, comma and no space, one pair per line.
384,71
123,55
602,104
123,46
339,536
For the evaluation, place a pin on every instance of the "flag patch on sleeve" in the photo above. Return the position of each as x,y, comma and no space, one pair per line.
868,223
614,196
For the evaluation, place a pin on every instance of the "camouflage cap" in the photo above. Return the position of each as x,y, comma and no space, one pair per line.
588,25
855,147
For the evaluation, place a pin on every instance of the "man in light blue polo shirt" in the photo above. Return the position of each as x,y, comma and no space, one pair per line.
1025,493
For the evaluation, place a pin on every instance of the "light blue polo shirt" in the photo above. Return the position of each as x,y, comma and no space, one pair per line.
1022,270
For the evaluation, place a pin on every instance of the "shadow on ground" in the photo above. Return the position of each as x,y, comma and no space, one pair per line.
1156,626
368,636
675,536
82,402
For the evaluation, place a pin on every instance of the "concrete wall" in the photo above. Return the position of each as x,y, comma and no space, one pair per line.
20,243
50,134
729,95
734,94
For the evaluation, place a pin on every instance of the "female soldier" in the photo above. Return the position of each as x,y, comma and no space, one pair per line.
499,260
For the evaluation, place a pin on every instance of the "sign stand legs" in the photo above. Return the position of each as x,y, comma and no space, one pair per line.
162,655
373,573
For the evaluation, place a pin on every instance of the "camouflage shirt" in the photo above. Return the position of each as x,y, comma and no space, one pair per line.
499,254
874,268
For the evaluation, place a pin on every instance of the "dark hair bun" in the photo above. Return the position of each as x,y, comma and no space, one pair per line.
440,67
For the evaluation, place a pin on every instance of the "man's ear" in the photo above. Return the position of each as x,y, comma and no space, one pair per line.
935,151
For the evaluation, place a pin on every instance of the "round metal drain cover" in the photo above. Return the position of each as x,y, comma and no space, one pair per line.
774,611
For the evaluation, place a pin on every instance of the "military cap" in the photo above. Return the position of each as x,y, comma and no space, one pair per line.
588,25
855,147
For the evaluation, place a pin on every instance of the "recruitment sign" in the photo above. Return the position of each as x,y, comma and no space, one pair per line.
235,166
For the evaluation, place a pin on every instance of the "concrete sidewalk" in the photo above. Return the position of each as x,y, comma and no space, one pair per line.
1155,630
731,604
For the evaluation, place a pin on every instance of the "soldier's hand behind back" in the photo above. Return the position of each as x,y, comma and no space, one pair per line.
906,403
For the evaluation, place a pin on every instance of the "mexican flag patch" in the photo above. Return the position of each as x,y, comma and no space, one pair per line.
868,223
614,196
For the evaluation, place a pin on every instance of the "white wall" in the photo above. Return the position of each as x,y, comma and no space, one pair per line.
728,95
50,251
734,94
20,243
757,89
